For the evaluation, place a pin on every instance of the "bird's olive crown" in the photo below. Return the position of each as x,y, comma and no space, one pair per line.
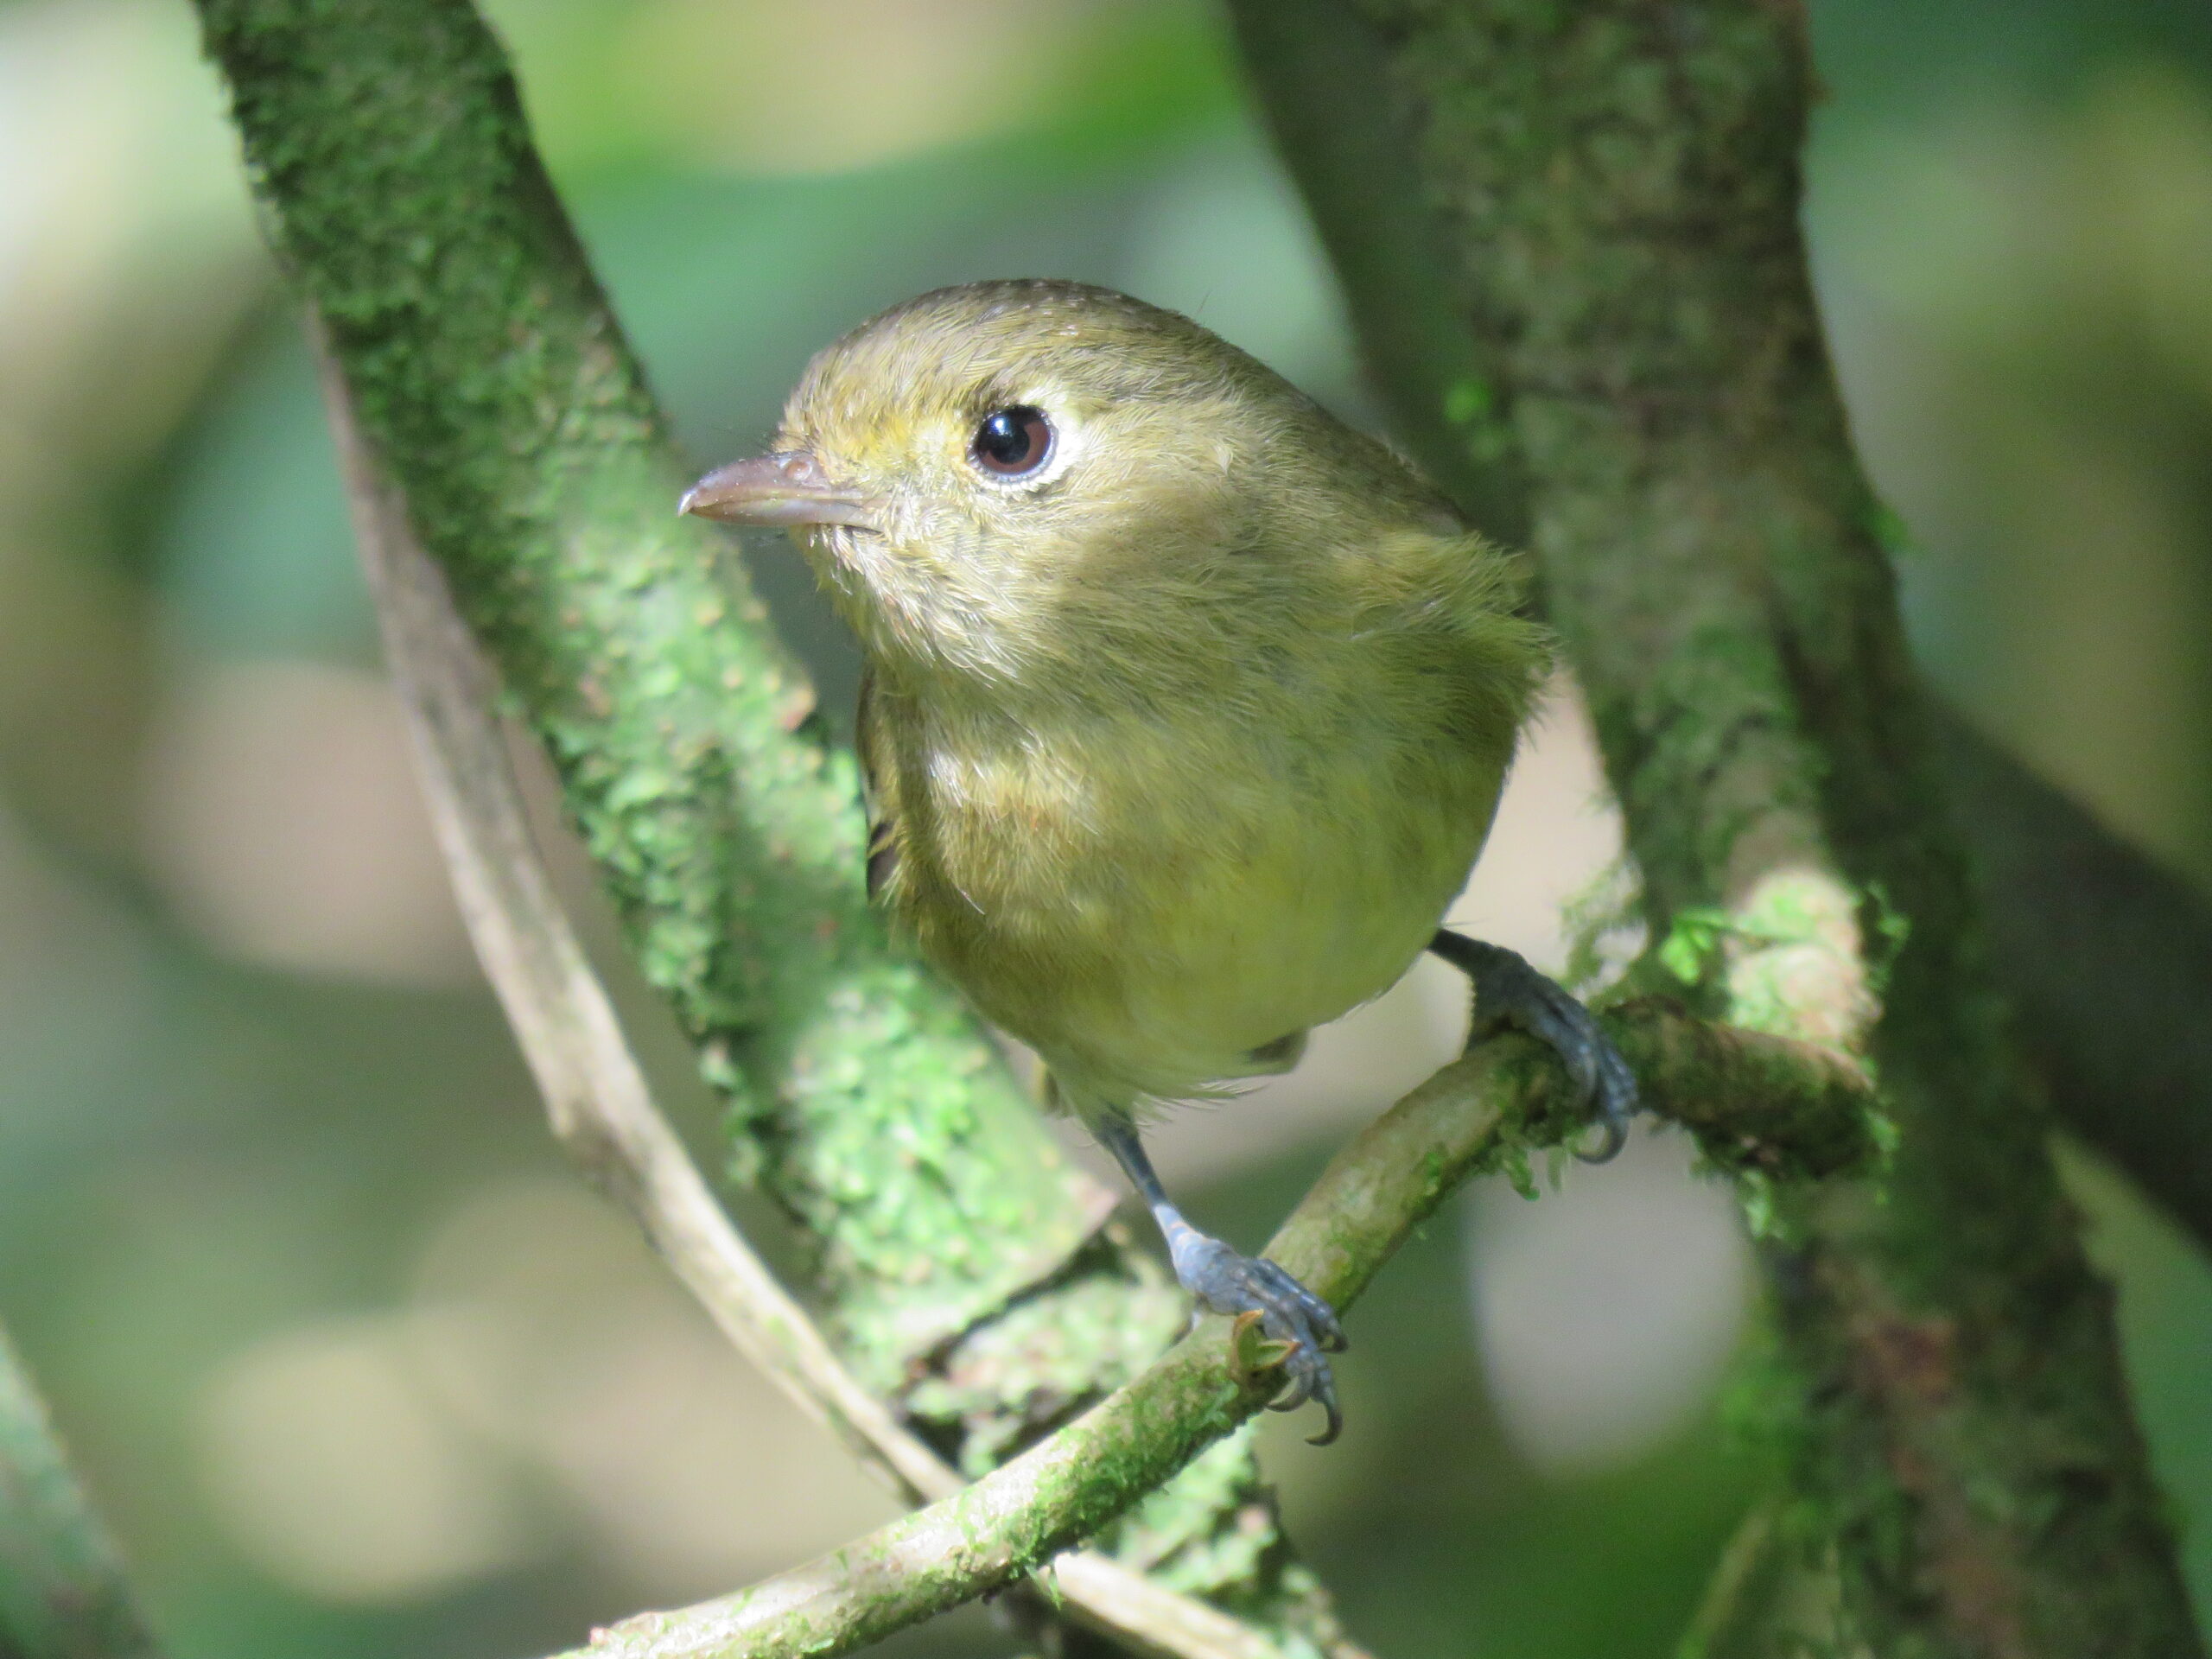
1000,392
1008,456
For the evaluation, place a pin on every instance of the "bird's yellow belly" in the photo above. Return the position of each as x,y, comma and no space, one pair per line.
1157,922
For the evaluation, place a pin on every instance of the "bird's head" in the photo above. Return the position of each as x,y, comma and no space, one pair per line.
994,478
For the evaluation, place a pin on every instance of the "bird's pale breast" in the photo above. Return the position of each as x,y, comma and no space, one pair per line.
1156,903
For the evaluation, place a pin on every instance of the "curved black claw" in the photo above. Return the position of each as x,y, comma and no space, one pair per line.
1510,993
1256,1291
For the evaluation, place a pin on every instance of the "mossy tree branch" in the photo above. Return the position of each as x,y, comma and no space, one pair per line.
62,1595
1789,1109
2107,958
1611,190
494,385
963,1267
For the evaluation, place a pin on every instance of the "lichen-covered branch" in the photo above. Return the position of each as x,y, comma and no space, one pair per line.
495,388
62,1595
1613,190
564,1022
1798,1111
964,1273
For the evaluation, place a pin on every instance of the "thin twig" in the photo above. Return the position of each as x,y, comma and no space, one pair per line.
601,1107
1743,1603
62,1594
1736,1086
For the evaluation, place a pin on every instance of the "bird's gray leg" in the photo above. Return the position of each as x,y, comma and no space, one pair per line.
1230,1283
1509,992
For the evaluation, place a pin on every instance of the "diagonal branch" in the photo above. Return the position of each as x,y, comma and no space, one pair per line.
1756,1102
602,1110
62,1595
2109,959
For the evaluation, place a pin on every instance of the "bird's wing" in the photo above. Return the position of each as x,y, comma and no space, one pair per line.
876,776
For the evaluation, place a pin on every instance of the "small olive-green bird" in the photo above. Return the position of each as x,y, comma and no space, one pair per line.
1185,713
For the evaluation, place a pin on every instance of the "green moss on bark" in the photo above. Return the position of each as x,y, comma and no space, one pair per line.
1616,186
486,371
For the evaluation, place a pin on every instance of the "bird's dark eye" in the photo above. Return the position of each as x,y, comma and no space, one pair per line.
1013,442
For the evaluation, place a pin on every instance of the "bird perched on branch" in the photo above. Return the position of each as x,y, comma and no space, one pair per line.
1186,709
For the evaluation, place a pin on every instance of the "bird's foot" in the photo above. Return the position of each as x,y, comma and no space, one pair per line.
1509,993
1299,1330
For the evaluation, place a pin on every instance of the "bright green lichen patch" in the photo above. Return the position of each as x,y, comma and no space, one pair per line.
1176,1534
1794,966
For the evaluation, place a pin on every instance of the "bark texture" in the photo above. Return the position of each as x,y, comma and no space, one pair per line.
1611,191
2107,956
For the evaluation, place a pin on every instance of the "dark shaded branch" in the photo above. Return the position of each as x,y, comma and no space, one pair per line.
2108,958
1743,1092
62,1595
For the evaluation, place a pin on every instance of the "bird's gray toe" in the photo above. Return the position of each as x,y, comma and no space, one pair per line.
1286,1312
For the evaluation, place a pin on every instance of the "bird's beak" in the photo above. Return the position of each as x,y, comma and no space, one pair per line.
786,489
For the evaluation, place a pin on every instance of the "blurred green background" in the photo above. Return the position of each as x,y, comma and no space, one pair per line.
355,1367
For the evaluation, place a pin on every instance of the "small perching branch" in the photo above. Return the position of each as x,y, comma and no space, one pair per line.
601,1107
62,1595
1757,1102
